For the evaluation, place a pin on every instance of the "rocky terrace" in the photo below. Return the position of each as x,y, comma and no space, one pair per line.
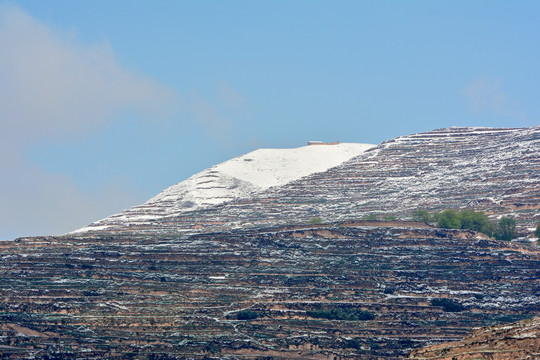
258,294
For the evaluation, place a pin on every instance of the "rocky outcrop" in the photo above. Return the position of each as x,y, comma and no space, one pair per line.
519,340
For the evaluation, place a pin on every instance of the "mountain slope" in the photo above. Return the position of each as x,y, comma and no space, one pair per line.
520,340
363,290
487,169
238,178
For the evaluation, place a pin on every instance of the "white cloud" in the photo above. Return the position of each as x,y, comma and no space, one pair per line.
218,126
230,98
488,96
53,88
221,116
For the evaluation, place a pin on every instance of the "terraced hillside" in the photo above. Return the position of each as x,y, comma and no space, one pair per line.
240,178
339,291
520,340
492,170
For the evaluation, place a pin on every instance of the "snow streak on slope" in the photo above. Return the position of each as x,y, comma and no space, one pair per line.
493,170
238,178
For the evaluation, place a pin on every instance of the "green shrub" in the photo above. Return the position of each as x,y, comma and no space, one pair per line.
315,220
448,305
422,215
370,217
449,219
477,221
506,229
247,315
473,220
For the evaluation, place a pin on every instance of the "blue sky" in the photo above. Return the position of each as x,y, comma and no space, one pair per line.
105,103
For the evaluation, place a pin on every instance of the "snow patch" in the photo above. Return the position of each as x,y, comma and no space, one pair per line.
238,178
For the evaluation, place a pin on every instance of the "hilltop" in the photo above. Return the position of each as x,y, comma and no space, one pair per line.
487,169
237,179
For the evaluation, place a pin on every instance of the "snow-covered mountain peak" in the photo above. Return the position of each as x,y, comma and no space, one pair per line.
238,178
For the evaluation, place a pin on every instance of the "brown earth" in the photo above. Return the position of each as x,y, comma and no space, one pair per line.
517,341
333,291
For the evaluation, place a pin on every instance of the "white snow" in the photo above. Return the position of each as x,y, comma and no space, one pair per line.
94,227
273,167
238,178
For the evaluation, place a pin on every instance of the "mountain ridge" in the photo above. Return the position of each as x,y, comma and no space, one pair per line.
487,169
237,178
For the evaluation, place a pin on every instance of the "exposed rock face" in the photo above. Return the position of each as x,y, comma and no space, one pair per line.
519,340
492,170
343,291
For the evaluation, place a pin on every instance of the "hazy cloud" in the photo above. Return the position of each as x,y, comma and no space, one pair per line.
53,88
221,115
34,201
219,127
230,98
486,95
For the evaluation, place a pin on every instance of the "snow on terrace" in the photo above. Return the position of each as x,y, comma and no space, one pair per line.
238,178
275,167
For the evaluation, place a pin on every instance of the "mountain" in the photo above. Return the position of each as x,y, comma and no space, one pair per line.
487,169
228,265
240,178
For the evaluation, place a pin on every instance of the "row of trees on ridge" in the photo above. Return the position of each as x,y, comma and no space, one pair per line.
504,229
